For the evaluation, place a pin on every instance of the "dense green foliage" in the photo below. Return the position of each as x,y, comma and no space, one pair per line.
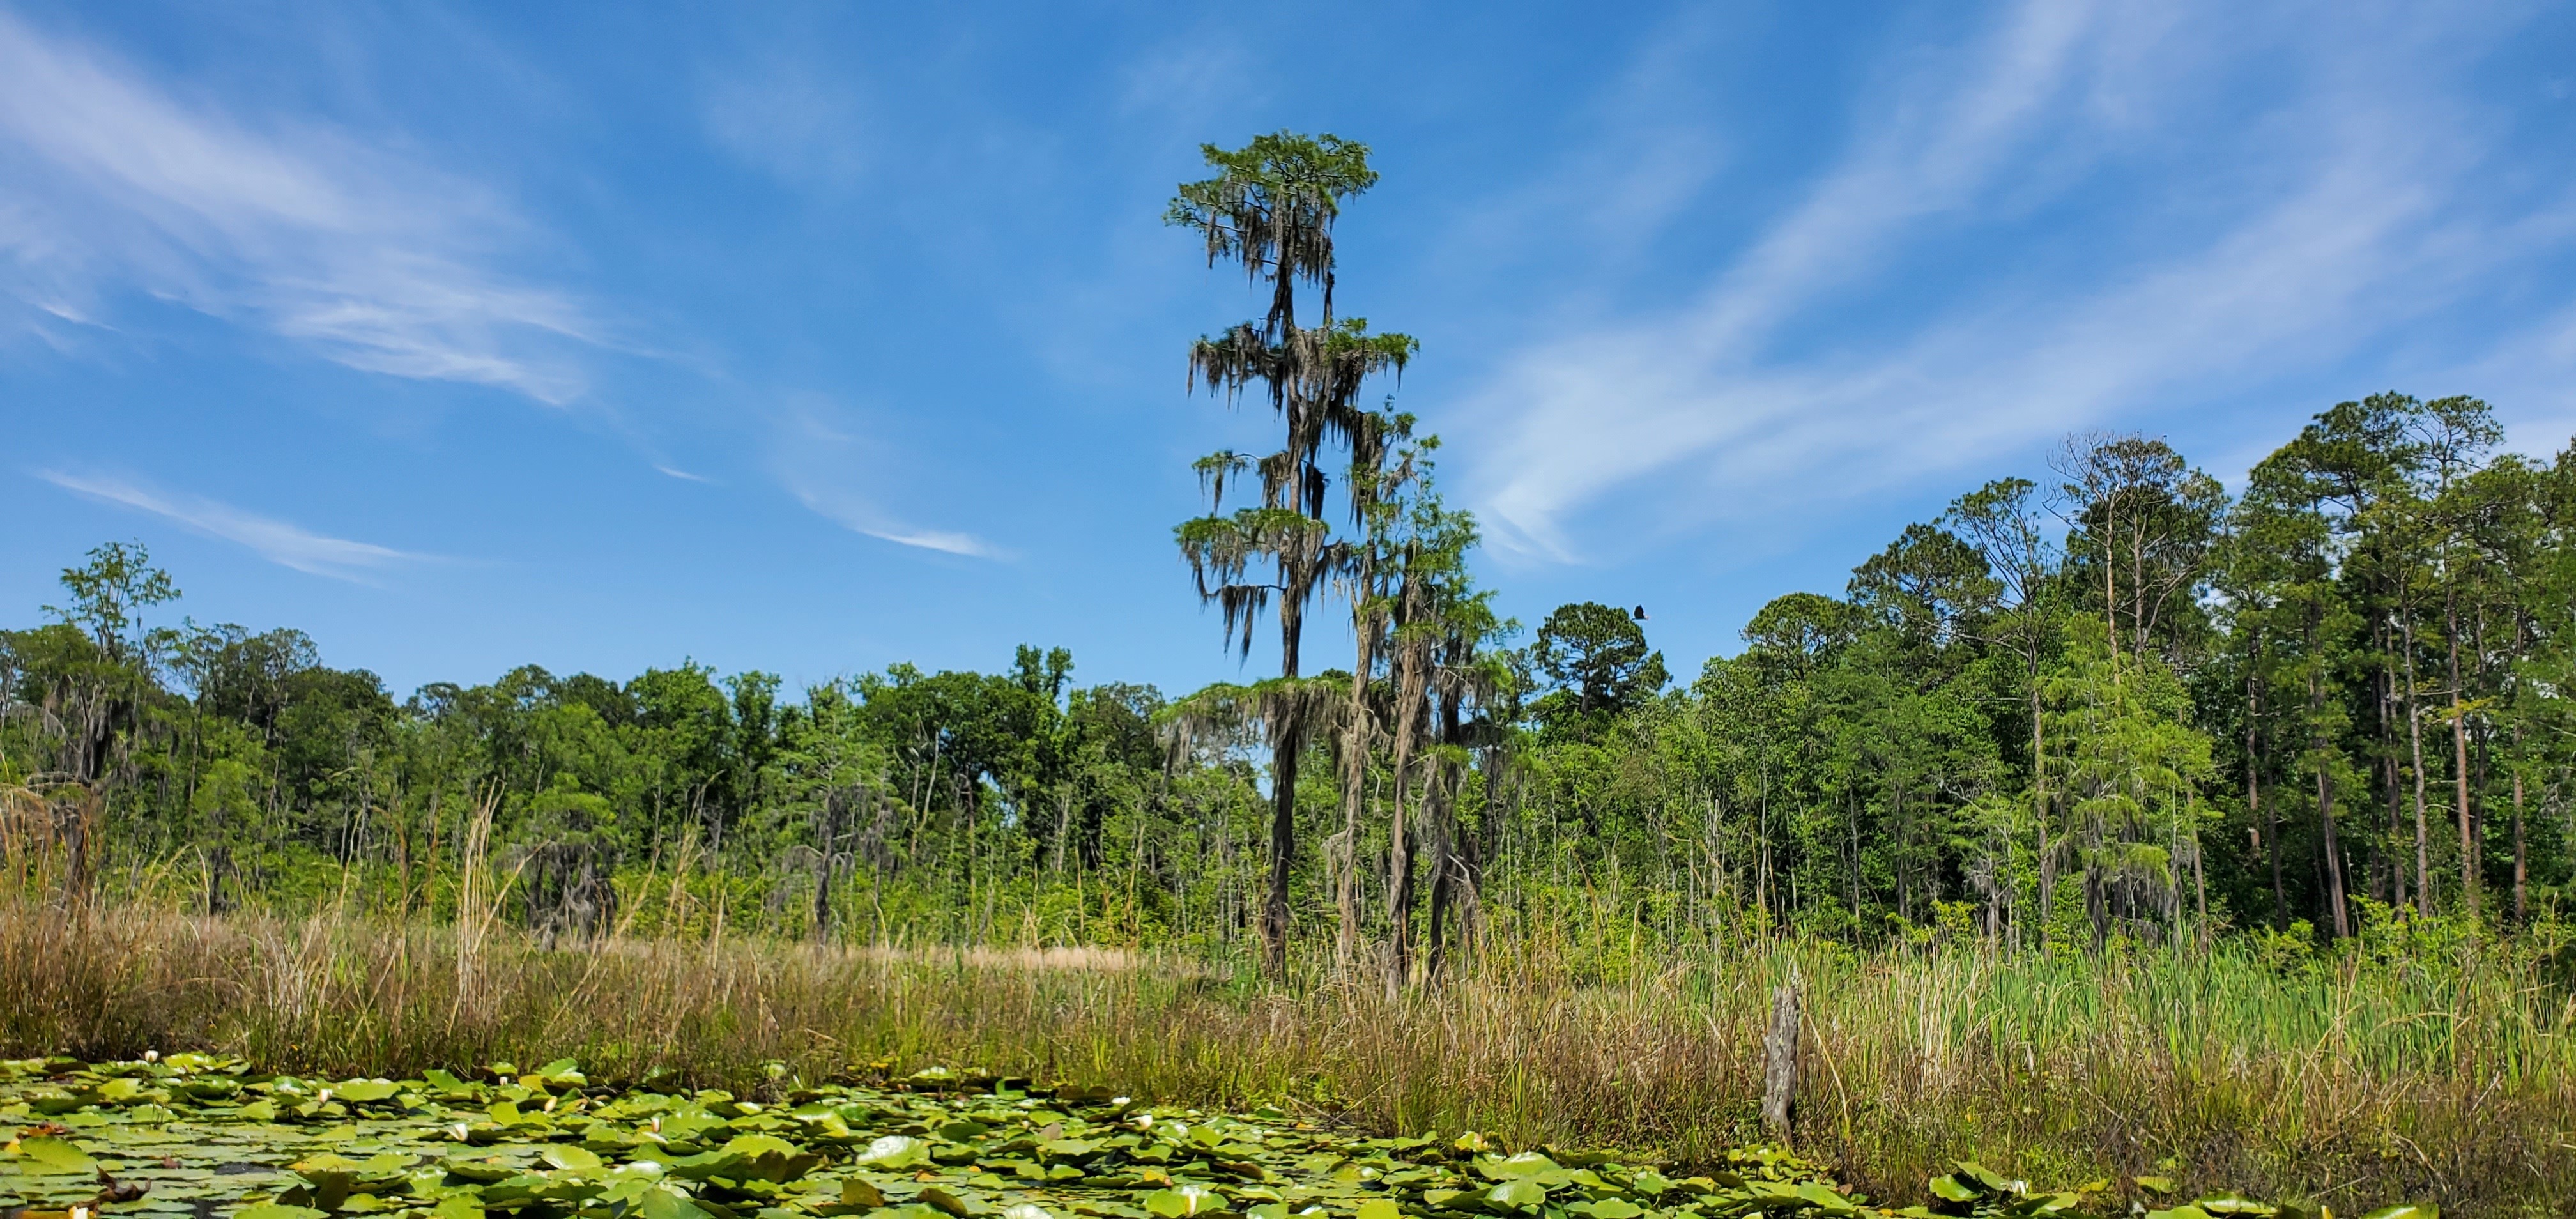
2131,707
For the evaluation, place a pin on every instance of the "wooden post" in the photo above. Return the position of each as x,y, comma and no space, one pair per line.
1780,1061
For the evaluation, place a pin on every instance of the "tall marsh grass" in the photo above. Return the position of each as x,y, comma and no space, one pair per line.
2400,1069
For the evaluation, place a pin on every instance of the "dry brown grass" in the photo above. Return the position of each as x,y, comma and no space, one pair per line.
2359,1082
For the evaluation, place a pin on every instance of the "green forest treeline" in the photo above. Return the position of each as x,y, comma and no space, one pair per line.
2112,704
2155,712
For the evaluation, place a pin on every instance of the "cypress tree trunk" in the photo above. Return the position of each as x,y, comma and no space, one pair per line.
2415,747
2460,763
2389,779
1399,848
1283,853
2521,860
1355,755
2325,785
2254,807
2039,802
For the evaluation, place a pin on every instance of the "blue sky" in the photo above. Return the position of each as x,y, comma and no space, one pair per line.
815,338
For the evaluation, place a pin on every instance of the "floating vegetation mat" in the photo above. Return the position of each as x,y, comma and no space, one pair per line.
207,1138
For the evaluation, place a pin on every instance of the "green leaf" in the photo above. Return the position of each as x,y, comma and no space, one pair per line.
572,1158
277,1210
2406,1210
1379,1208
750,1157
1517,1195
457,1206
1948,1189
1826,1200
2155,1185
120,1090
662,1202
2236,1204
58,1156
690,1122
859,1191
1616,1208
1526,1164
1186,1198
364,1090
759,1144
895,1151
1980,1174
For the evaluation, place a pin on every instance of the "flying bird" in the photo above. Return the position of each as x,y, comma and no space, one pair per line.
1641,613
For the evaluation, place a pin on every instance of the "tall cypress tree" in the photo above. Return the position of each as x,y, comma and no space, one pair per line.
1271,208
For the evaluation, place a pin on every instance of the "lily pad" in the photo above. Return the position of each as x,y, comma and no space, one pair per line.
457,1206
1183,1199
567,1156
365,1090
1509,1168
659,1203
895,1151
944,1145
47,1154
275,1210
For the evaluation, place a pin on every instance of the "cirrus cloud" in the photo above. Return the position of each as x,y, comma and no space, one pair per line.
280,542
112,183
2139,249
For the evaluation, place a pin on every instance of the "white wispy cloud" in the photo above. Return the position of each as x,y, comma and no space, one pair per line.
110,183
280,542
2281,241
852,511
842,473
